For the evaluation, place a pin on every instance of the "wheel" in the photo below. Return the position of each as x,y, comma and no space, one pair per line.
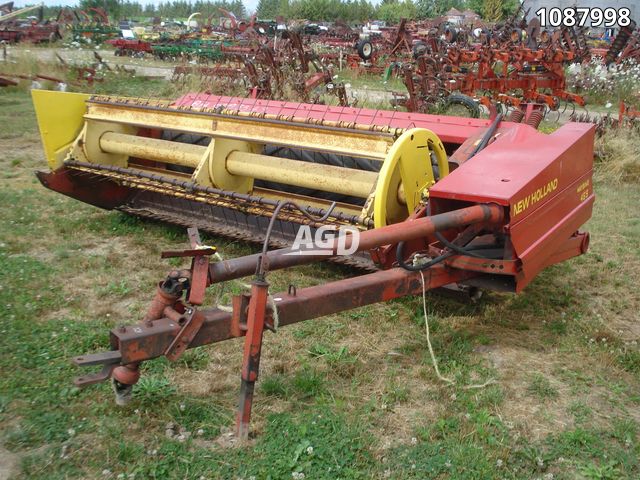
533,28
485,37
450,35
545,36
453,103
419,49
365,49
516,35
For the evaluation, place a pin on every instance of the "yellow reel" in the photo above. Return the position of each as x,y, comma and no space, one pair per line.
408,164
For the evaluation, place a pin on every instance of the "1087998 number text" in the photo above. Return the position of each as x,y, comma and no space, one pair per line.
582,16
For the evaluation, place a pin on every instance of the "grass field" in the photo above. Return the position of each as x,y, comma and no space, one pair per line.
345,397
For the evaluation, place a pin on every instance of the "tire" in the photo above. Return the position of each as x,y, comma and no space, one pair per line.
467,102
486,37
545,36
189,138
450,35
365,49
419,49
516,35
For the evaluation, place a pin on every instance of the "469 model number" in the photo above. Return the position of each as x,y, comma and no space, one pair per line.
579,16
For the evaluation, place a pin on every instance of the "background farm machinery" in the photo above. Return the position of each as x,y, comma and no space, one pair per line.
423,201
626,46
183,48
14,30
501,66
130,47
628,117
444,68
61,75
509,76
90,25
510,66
93,26
284,69
32,32
365,53
506,65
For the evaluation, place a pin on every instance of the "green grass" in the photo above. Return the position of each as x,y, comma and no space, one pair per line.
368,81
349,396
541,387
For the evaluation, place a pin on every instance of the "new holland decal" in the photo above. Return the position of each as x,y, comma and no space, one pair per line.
534,197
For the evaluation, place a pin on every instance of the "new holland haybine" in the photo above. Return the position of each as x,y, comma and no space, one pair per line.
417,201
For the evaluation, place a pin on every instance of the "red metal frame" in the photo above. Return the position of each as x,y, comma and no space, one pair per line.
126,46
544,180
170,326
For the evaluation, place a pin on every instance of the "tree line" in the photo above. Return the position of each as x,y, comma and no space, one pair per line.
128,9
390,11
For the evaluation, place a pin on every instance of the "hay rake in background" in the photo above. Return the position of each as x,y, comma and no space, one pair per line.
526,76
427,201
628,117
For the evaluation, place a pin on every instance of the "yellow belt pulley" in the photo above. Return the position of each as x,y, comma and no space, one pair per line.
408,163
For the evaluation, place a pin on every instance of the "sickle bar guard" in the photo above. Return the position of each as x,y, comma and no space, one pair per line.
456,202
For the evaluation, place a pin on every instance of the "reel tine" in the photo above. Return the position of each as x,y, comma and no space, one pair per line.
565,104
215,107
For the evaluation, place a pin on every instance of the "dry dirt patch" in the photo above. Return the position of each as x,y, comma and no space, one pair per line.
8,463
